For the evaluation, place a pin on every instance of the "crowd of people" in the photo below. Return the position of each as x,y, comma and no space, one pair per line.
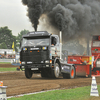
7,56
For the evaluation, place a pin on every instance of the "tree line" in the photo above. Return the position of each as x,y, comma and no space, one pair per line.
7,38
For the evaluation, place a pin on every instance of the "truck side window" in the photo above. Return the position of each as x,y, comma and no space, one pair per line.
53,41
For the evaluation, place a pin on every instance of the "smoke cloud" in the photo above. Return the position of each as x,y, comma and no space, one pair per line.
70,16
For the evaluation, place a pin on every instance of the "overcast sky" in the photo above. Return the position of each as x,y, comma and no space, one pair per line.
13,14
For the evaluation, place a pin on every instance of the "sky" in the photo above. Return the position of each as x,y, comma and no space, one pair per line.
13,14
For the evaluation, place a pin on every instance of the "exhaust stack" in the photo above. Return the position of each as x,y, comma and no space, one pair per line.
88,46
60,45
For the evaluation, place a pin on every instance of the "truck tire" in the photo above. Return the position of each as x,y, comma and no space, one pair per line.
43,74
28,73
70,75
56,71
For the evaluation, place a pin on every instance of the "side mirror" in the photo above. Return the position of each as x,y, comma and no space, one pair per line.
20,43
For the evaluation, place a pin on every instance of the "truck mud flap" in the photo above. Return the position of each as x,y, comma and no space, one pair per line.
65,68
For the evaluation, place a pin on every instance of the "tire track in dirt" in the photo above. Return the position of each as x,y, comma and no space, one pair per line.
17,83
7,65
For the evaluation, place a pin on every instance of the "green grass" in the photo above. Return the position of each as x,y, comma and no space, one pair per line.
5,62
7,69
80,93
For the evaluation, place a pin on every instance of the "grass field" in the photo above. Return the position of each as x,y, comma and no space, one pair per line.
80,93
5,62
7,69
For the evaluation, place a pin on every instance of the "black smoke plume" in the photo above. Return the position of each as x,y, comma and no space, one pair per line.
69,16
34,11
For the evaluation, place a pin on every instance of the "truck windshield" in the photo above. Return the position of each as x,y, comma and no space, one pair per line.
96,43
35,42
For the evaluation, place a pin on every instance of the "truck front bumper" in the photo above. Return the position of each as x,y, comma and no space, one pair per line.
37,65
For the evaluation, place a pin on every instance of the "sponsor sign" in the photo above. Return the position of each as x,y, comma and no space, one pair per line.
34,48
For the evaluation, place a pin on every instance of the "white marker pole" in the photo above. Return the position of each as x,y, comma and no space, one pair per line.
3,93
94,90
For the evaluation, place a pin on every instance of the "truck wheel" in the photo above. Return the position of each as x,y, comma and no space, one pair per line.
28,73
43,74
56,71
70,75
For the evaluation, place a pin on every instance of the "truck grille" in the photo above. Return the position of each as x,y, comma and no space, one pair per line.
35,56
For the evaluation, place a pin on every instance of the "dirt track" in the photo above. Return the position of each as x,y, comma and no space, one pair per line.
18,84
7,66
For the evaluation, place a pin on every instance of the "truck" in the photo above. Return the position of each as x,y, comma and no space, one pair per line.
88,65
41,52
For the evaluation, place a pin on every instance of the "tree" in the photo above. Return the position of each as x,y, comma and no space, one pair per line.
19,37
6,38
3,46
